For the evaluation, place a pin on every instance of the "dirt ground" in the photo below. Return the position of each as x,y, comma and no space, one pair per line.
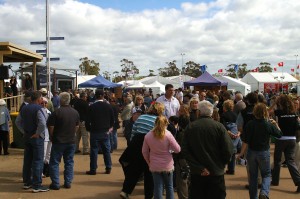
103,186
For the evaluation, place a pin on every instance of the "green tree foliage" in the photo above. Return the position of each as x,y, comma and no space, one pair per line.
242,71
106,75
116,77
192,69
170,70
128,67
151,73
265,67
89,67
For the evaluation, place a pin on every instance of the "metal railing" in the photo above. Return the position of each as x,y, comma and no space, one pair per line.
13,103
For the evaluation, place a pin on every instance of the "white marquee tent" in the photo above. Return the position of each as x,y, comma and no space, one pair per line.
259,81
157,88
236,85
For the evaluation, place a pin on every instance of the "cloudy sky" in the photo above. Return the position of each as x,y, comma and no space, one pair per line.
153,32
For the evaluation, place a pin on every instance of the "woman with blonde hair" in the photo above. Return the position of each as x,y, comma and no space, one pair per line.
139,104
194,111
257,143
228,119
132,161
157,151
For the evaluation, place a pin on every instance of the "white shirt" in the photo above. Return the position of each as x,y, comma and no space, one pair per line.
171,106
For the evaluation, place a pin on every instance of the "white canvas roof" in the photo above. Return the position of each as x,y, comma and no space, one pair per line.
270,77
160,79
137,84
157,87
236,84
84,78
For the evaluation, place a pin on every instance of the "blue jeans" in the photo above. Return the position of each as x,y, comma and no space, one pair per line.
58,151
113,139
99,140
259,160
33,162
161,180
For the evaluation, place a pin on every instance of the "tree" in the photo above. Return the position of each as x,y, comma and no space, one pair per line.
242,70
170,70
116,77
192,69
265,67
151,73
106,75
128,67
89,67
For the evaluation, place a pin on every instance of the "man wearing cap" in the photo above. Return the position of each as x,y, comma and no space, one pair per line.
32,123
99,122
171,103
50,105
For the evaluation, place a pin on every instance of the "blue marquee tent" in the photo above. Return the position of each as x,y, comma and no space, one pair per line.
205,80
98,82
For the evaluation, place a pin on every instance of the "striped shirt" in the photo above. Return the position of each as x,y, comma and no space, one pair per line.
143,124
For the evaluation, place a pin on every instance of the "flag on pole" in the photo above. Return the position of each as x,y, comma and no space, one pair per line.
275,69
298,66
292,69
236,68
203,68
220,71
280,64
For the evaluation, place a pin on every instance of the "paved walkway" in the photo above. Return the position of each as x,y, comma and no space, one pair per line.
104,186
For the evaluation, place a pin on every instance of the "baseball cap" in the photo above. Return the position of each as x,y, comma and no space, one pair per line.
43,90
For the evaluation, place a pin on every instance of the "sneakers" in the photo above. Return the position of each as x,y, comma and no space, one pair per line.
27,186
40,189
90,172
53,187
124,195
263,196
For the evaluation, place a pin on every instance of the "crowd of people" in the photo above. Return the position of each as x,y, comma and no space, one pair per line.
181,140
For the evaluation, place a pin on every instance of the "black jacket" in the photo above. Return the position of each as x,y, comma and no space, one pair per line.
82,107
100,117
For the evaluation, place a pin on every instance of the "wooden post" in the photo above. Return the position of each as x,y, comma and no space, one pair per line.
1,81
34,76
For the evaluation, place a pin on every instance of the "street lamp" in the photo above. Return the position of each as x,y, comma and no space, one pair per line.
296,62
182,54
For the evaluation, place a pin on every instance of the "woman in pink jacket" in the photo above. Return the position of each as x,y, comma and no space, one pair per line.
157,151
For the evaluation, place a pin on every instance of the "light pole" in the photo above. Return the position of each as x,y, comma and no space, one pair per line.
182,54
296,63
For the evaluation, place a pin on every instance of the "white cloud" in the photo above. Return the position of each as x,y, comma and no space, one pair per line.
216,33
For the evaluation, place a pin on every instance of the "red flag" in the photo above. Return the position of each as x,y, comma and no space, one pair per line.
298,66
292,69
275,69
220,71
280,64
